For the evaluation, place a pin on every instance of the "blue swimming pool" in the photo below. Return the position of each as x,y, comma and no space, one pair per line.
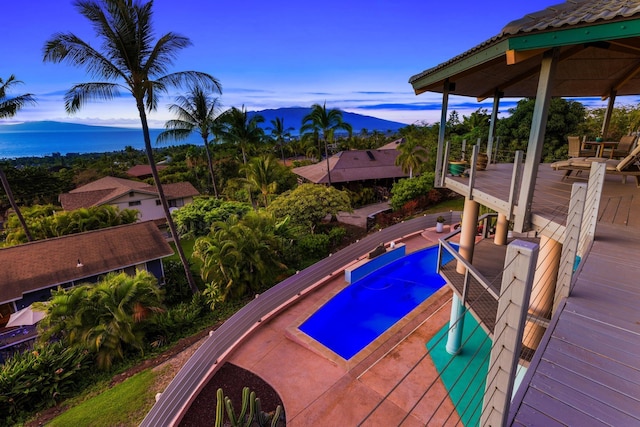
365,309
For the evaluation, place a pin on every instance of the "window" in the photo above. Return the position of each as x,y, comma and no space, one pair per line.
158,202
136,203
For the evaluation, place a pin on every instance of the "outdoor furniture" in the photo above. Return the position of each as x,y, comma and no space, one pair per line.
577,149
625,167
621,149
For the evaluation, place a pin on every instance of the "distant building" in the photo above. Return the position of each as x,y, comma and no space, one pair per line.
143,171
128,194
31,270
356,166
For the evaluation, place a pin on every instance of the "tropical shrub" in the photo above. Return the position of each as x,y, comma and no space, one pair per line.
40,378
409,189
196,218
241,256
107,318
46,221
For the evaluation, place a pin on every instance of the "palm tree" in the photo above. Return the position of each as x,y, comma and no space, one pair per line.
279,133
130,59
412,156
241,130
324,122
196,111
9,107
262,174
105,317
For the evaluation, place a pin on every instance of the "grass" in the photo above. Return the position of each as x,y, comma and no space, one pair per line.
123,405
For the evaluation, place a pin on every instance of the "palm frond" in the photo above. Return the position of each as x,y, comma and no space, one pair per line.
82,93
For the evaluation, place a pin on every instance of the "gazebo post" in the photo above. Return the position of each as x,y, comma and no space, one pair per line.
536,140
492,126
441,134
607,114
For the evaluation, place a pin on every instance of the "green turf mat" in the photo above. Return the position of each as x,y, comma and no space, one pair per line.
465,376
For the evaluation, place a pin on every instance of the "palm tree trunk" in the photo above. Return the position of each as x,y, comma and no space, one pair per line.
326,154
14,206
210,163
163,199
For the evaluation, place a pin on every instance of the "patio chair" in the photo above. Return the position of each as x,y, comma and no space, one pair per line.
629,166
577,149
623,149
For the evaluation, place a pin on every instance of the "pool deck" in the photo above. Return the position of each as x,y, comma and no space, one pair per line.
380,386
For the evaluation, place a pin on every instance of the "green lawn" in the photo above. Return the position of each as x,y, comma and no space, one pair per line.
123,405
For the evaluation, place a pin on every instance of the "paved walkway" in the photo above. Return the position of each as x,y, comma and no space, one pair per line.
319,388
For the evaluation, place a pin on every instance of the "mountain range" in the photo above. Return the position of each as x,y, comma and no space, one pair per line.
292,117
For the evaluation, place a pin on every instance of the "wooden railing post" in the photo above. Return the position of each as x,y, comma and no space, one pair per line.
513,304
592,204
570,242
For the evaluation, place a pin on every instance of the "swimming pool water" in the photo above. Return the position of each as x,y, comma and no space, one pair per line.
365,309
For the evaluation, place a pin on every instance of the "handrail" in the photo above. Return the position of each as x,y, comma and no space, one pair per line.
444,244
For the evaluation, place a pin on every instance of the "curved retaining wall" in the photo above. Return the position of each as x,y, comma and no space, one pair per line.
200,368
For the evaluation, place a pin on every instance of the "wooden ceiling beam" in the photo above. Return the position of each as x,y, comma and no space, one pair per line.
529,72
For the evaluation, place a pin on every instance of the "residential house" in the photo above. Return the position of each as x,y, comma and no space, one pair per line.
129,194
143,171
355,166
31,270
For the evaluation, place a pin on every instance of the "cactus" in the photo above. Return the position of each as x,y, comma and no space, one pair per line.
219,408
250,402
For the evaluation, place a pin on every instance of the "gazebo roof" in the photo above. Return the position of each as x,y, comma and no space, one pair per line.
599,52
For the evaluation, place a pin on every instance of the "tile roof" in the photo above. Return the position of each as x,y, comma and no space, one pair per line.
354,165
45,263
108,188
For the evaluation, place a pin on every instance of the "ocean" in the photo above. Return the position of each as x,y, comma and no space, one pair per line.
39,141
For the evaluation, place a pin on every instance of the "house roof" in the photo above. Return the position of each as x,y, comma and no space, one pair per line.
50,262
393,145
143,170
354,165
106,189
598,43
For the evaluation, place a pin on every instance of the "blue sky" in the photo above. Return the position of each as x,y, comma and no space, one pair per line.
353,55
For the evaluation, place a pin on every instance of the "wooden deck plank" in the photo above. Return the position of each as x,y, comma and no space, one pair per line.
568,397
530,417
601,375
557,409
606,396
589,334
602,313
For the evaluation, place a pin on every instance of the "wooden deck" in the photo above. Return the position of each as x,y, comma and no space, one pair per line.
586,371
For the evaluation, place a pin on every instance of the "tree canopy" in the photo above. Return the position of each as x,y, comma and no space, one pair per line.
308,204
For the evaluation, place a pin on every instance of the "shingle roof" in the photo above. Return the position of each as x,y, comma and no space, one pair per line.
354,165
143,170
45,263
108,188
572,13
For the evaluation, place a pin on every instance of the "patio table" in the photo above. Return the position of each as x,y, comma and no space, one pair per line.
601,145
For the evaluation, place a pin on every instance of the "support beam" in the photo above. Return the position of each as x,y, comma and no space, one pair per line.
492,126
456,324
543,291
505,352
441,134
502,230
468,230
536,141
607,114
